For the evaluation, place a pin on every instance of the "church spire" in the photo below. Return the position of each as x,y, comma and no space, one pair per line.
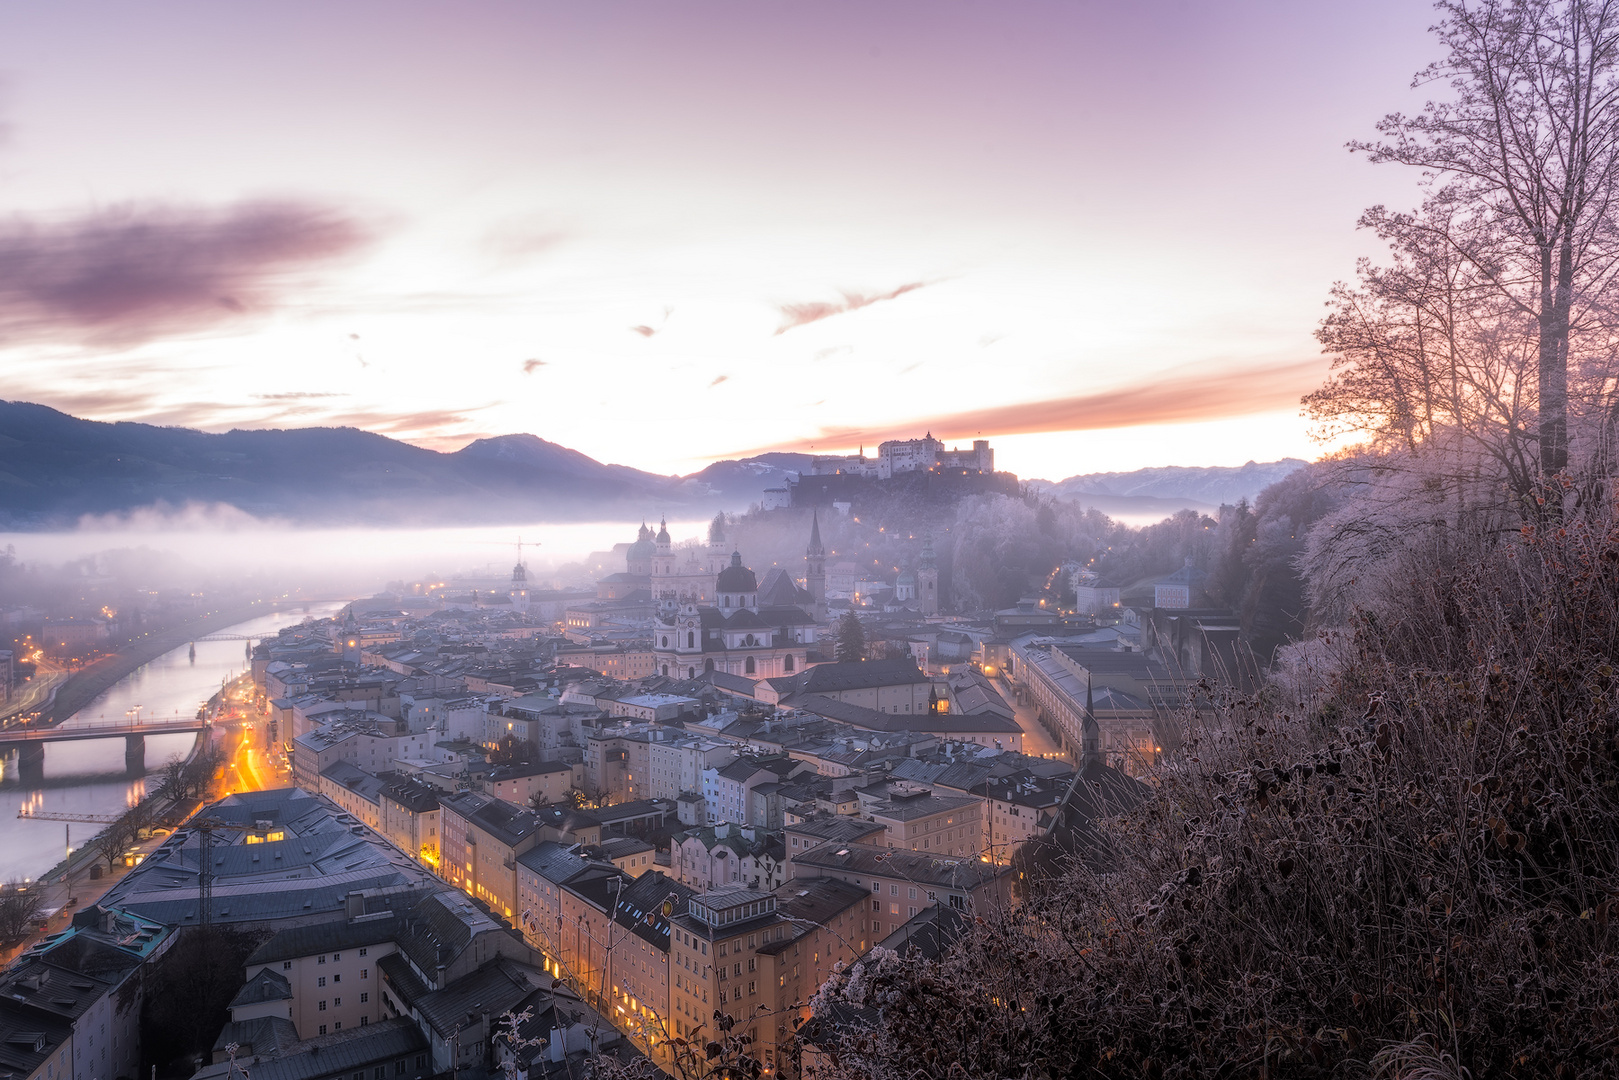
815,547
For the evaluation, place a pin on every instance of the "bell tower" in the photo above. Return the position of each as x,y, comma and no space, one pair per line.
927,579
815,570
519,586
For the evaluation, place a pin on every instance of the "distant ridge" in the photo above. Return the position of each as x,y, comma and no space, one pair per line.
56,468
1158,492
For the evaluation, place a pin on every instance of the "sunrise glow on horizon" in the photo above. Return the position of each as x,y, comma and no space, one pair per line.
1098,234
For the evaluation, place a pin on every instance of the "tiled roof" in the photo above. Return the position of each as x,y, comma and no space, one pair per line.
335,936
267,985
939,871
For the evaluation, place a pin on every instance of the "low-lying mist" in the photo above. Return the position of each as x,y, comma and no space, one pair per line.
211,546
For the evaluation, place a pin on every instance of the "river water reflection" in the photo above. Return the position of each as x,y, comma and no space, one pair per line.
88,777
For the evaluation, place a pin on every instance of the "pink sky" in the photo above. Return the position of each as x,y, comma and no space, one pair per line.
665,232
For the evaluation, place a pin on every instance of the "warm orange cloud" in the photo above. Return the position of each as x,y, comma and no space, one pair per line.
1178,396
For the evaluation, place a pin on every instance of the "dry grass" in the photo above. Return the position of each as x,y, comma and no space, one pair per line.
1416,875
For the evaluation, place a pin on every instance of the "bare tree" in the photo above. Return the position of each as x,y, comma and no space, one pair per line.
19,906
1520,167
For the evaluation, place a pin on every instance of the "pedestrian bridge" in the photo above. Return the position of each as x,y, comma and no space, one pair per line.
30,741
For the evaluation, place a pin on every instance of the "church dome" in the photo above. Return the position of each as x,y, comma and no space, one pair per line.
736,578
906,577
643,548
663,532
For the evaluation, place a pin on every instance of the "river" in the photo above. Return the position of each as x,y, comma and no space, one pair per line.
88,777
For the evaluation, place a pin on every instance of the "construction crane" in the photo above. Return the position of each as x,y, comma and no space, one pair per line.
206,827
52,815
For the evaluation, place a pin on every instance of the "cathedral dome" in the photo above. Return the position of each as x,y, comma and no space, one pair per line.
736,578
643,549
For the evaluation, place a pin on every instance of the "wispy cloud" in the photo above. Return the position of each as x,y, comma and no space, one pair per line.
1178,396
644,331
428,422
795,315
295,396
125,276
716,382
531,366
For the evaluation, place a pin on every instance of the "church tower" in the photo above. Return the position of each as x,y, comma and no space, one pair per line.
663,569
815,570
519,586
927,579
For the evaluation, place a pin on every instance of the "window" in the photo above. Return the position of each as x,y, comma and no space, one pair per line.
337,1003
367,997
286,965
913,897
876,886
753,987
323,1029
399,1067
364,1019
364,972
322,1006
321,981
362,952
876,905
379,1073
893,890
337,1025
337,978
336,956
320,959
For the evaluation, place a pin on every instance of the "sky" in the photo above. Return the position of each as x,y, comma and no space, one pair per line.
1099,234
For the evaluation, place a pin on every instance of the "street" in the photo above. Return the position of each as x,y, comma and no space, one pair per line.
1037,741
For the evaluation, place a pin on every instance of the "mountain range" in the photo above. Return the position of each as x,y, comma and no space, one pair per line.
1151,494
56,468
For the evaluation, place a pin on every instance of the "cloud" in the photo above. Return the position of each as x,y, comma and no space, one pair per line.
390,423
529,366
716,382
644,331
1178,396
295,396
520,240
801,314
124,276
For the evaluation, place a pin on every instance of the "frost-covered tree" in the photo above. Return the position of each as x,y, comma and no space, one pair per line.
1520,157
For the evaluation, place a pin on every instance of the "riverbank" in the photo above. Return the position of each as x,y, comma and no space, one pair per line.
84,686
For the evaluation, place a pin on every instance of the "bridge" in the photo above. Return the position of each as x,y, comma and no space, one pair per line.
30,741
